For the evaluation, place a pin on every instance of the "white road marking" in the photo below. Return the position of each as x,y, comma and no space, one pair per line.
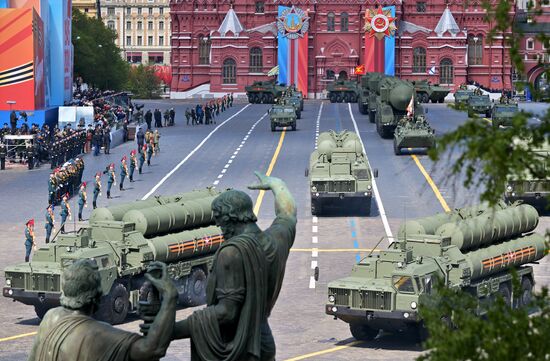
191,153
313,264
236,152
311,282
314,252
226,166
232,157
314,239
230,161
216,182
224,170
314,219
374,185
220,175
314,229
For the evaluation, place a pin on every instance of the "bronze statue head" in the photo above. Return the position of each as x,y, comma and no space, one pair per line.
232,208
81,285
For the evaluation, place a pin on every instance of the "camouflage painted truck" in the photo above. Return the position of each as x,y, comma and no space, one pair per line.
265,92
426,92
530,189
471,249
283,116
461,97
342,91
479,104
122,240
367,91
340,176
503,114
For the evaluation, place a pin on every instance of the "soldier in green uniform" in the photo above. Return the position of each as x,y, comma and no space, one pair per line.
123,172
150,152
97,189
65,211
51,189
82,200
142,155
29,238
50,221
112,179
133,164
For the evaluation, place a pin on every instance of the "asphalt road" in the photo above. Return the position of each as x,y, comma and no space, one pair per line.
225,155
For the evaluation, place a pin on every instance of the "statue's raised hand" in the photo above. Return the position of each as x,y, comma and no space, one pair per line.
266,182
157,274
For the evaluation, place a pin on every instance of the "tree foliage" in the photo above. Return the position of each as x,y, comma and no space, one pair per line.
143,82
96,57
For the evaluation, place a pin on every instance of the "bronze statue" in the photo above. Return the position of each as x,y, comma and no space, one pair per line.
69,332
246,277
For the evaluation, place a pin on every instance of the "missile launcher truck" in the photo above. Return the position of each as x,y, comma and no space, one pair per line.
340,175
367,91
394,97
471,249
411,133
425,91
122,240
342,91
265,92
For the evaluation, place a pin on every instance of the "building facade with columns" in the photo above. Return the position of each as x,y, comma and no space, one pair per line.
142,27
227,45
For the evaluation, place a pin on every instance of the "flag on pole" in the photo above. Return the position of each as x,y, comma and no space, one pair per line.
360,69
432,70
410,107
273,71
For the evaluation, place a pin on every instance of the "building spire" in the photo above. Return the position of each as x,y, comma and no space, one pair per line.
231,23
447,23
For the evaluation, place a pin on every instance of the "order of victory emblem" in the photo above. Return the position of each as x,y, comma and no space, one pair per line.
293,23
379,23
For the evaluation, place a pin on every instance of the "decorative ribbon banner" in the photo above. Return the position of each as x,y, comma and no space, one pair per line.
380,40
292,52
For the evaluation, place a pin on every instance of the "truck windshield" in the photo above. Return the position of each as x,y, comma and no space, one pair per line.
505,111
403,284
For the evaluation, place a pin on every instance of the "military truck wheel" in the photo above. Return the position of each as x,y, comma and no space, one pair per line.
353,98
273,127
396,149
332,98
505,293
293,126
195,290
525,295
299,114
470,114
338,98
114,306
441,100
372,116
269,99
362,332
254,98
41,310
488,114
346,98
362,108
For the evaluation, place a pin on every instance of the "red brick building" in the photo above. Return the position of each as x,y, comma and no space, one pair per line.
225,45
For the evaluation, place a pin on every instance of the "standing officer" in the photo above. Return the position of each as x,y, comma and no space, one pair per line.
150,150
112,179
140,137
82,200
142,155
97,188
107,140
148,118
65,211
50,221
133,164
123,172
29,238
51,189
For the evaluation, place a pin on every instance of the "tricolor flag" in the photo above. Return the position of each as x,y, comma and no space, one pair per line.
432,70
380,40
274,71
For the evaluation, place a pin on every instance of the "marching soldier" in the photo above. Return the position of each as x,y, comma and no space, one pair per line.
156,139
150,152
112,179
50,221
29,238
65,211
97,188
123,172
133,164
142,156
82,200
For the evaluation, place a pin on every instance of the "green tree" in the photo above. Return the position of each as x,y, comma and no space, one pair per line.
143,82
96,57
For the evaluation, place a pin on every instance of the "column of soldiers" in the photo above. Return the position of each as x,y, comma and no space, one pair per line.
65,180
207,113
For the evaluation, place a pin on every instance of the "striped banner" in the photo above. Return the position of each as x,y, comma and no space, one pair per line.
380,40
292,53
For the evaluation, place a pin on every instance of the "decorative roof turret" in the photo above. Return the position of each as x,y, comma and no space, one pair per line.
447,23
231,24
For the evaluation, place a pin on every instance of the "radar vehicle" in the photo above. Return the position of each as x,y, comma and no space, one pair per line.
264,92
282,116
413,133
425,91
479,104
122,240
340,176
342,91
471,249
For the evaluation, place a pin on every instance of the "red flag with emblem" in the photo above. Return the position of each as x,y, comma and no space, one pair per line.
360,69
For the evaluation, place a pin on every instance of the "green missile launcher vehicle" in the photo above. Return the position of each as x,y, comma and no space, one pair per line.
470,249
367,90
178,230
415,134
503,114
531,189
282,116
461,97
479,104
342,91
340,176
265,92
425,91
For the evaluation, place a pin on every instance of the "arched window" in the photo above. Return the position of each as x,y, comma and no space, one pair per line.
330,74
344,22
111,24
256,62
229,71
343,75
330,21
419,60
475,49
204,49
446,75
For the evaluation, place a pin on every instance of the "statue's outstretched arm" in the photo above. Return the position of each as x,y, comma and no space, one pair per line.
285,206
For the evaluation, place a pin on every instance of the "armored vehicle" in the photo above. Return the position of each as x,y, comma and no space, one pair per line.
294,101
282,116
471,249
479,104
367,91
339,175
413,133
503,114
462,96
263,92
342,91
178,230
425,91
392,103
530,189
